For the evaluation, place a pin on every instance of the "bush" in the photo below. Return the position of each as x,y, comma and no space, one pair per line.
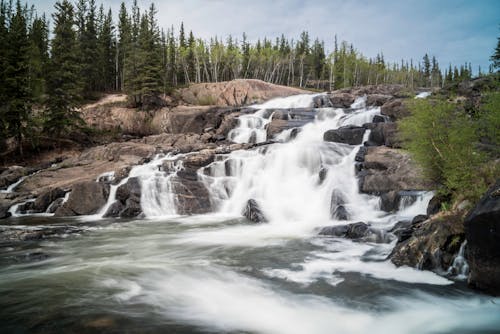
444,141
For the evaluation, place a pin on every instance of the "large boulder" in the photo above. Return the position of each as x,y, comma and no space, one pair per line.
86,198
128,200
431,244
482,231
11,175
253,212
338,210
395,109
385,169
43,201
377,99
384,134
352,135
341,100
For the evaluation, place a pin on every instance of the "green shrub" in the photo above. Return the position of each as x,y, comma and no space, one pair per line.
443,140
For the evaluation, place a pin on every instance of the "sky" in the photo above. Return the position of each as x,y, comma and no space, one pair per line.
455,31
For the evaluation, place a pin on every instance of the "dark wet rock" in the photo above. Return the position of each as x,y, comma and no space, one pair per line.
337,208
322,175
128,200
281,114
482,231
379,119
27,207
86,198
352,135
377,100
46,198
436,203
55,205
389,201
432,245
341,100
419,219
384,134
351,231
4,209
360,156
403,230
386,169
395,109
253,212
14,234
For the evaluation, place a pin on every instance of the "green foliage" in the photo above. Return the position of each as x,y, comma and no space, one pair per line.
490,121
64,87
443,140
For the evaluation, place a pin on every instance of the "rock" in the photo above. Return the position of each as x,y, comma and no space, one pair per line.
322,101
403,230
360,156
86,198
45,199
384,134
352,135
341,100
55,205
323,172
351,231
4,209
128,200
389,201
11,175
419,219
395,109
482,231
379,119
114,210
237,92
386,169
377,99
337,208
253,212
433,244
436,203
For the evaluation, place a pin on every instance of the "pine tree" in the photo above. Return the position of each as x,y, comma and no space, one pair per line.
16,85
495,57
426,70
3,64
38,57
124,43
106,51
89,51
63,84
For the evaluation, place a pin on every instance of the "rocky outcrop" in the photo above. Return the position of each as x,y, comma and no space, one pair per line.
482,231
385,169
128,200
338,210
352,135
4,209
11,175
377,100
253,212
237,92
395,109
341,100
384,134
431,244
86,198
43,201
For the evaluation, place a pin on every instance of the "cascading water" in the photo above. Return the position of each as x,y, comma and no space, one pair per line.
284,178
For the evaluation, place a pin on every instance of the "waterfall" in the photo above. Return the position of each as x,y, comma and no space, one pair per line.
285,178
460,268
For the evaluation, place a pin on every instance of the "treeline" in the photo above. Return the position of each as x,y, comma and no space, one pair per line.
45,79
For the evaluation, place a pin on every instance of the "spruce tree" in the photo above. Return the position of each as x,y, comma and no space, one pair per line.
106,52
495,57
124,43
63,84
16,78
